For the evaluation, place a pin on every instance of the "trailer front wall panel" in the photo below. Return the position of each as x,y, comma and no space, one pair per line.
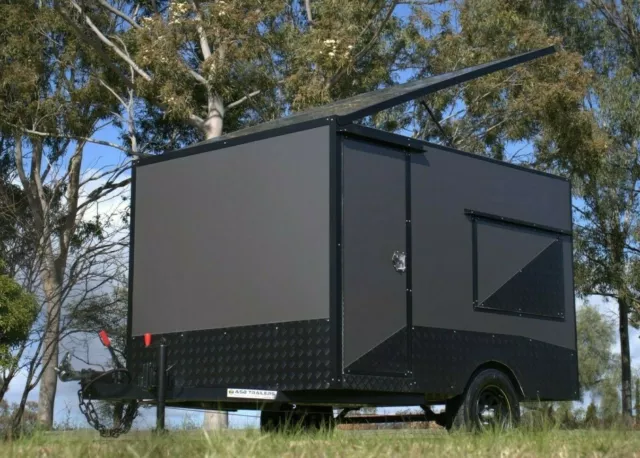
231,263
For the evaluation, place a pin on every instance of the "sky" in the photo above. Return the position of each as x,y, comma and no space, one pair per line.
98,157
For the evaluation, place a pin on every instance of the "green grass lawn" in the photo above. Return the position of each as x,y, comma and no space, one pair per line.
401,443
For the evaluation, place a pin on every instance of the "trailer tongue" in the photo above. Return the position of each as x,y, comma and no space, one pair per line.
310,264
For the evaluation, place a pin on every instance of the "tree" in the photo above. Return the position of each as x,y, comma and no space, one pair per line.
29,421
596,335
241,61
496,114
52,105
591,416
610,406
606,181
17,313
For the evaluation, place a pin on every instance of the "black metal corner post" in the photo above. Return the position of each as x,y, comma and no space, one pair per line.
132,233
474,259
409,251
335,254
162,387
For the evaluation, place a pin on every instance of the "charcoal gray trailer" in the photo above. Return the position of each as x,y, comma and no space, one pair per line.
317,263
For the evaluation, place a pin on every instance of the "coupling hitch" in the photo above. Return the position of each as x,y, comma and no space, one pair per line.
124,412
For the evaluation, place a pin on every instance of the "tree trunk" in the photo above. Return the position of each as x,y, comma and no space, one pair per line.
637,402
625,358
49,380
215,420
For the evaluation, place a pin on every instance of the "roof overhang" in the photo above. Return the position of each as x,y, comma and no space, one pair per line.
348,110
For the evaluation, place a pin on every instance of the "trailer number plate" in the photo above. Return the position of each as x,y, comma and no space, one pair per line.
250,394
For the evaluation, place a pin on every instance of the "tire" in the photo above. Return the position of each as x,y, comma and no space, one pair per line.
490,402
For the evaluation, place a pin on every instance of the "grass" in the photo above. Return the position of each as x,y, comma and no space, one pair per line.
402,443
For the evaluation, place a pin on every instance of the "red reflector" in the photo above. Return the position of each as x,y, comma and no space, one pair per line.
104,338
147,339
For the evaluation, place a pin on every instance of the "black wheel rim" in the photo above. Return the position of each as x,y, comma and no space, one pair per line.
493,408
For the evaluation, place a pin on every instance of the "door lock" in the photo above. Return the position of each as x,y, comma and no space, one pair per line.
399,260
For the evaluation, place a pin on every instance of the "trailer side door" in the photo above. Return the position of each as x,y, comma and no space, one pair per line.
375,259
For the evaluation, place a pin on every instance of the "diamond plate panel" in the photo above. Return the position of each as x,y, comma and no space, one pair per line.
444,360
281,356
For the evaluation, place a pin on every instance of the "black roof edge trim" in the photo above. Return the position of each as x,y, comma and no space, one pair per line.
204,147
517,222
420,146
382,136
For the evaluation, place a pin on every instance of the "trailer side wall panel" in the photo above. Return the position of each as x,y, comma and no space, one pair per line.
489,276
444,185
492,273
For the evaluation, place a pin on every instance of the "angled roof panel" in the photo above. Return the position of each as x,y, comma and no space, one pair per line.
362,105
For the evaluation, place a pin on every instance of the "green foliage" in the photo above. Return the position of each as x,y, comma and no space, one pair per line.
190,57
591,416
18,311
106,312
28,422
596,335
539,103
609,392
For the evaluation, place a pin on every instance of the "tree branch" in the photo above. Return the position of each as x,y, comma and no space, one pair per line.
109,43
102,191
368,46
76,138
196,121
120,14
91,42
204,42
243,99
73,194
307,5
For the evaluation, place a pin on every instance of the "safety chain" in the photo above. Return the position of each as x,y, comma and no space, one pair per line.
130,412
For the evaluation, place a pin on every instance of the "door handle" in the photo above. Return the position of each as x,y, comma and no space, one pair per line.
399,260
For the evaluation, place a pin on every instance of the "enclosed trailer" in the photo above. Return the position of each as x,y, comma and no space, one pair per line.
315,262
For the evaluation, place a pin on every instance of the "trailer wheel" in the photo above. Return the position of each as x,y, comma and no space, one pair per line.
489,402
